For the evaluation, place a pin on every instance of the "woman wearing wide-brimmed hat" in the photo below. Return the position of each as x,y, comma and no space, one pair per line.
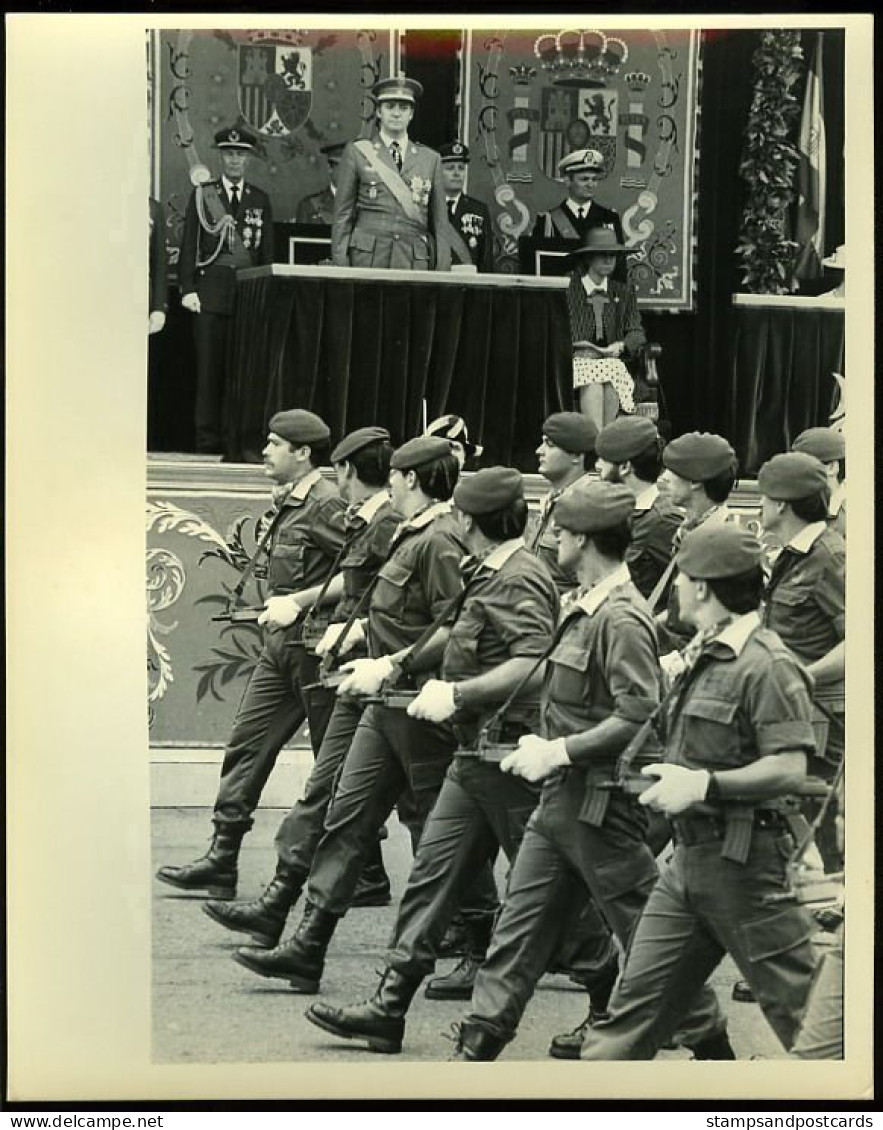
605,326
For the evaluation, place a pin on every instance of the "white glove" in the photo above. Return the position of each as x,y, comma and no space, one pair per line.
191,302
535,758
354,636
435,703
280,611
367,676
156,321
677,789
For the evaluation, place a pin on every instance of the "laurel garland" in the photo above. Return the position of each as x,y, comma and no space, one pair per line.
769,165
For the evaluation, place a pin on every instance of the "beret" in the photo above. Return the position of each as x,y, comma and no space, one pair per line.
792,475
721,549
698,456
355,441
235,138
826,444
453,427
416,452
490,489
585,508
299,426
580,160
400,89
625,438
571,430
453,151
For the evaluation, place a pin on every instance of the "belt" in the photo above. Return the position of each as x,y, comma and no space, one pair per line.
703,829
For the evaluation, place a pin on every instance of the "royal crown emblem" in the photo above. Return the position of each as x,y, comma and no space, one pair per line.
581,58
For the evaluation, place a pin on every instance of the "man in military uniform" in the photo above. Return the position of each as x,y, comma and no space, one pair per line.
469,218
392,756
737,729
806,605
389,210
361,463
829,446
579,211
319,207
629,451
305,538
600,684
228,225
566,455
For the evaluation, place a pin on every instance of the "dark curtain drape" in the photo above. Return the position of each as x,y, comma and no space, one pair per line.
430,56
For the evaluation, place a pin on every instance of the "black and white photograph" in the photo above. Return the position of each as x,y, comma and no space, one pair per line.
492,422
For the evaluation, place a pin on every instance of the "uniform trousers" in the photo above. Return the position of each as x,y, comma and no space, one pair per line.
270,713
821,1026
560,856
391,756
211,333
479,810
702,907
831,738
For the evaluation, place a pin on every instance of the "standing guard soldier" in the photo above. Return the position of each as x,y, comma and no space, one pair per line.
306,535
392,756
389,210
737,729
806,605
629,451
829,446
469,218
319,207
601,683
228,225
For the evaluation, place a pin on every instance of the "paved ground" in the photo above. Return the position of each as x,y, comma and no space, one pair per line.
208,1009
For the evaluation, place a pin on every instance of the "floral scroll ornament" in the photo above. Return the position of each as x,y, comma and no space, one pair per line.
165,583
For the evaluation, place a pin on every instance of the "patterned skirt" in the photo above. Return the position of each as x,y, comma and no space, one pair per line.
605,370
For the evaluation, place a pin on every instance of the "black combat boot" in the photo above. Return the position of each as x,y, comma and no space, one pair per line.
215,872
299,960
457,985
476,1044
569,1045
380,1020
715,1047
264,917
373,887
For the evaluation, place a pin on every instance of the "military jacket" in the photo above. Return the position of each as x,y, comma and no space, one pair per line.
650,551
307,537
472,222
371,528
680,631
541,542
316,209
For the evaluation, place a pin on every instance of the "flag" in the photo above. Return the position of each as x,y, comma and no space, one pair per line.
810,228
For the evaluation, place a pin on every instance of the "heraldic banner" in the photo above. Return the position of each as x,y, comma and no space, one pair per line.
532,97
296,90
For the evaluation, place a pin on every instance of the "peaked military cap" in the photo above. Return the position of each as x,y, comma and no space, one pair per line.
792,475
572,431
235,137
453,427
722,549
826,444
580,161
399,89
416,452
586,508
299,426
699,456
625,438
356,440
454,151
488,490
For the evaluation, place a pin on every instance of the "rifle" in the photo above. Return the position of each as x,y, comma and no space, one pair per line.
235,613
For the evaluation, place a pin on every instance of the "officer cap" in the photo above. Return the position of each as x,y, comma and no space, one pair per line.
826,444
572,431
454,151
416,452
699,456
235,137
586,508
489,489
333,151
581,160
723,549
792,475
453,427
299,426
356,440
398,89
625,438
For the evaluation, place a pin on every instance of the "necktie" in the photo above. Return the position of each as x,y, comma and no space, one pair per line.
234,193
581,212
396,154
451,207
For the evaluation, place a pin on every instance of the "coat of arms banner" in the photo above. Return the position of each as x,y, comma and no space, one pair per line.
531,97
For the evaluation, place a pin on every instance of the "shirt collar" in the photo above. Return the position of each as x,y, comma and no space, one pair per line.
591,287
371,505
428,515
453,200
805,539
574,206
838,498
302,488
645,500
387,140
228,186
735,634
501,553
597,594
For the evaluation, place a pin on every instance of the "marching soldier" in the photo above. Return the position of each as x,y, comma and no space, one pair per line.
389,210
319,208
629,451
469,218
392,755
228,225
737,730
600,684
305,536
806,606
829,446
